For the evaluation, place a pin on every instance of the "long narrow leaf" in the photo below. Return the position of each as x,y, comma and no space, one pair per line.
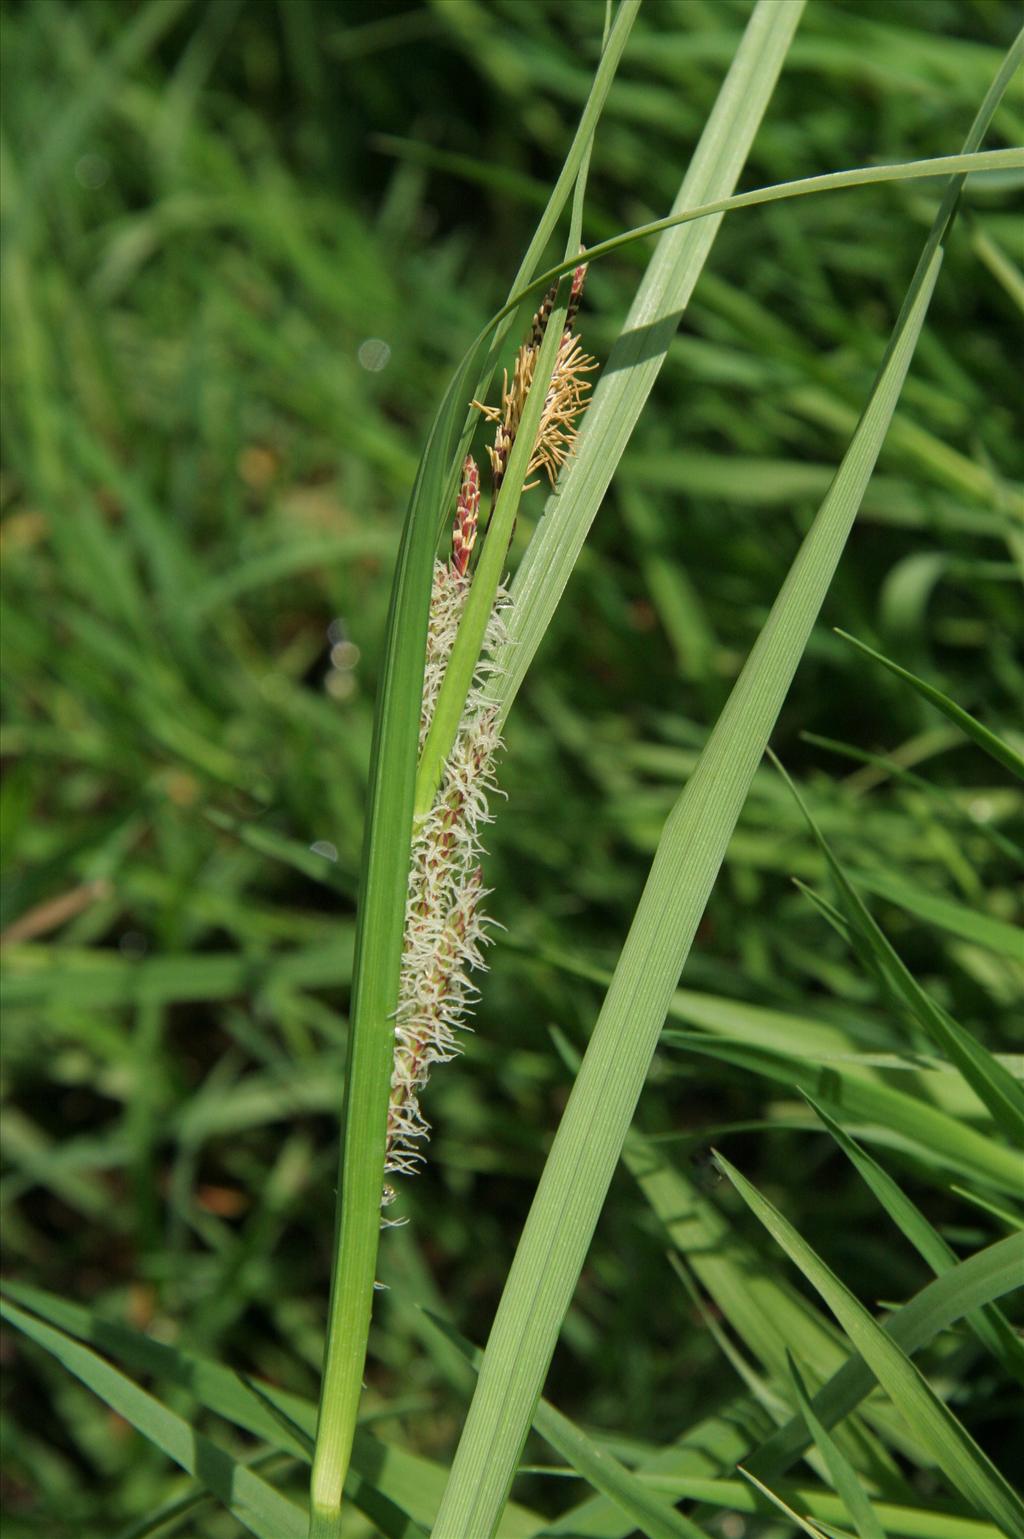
991,1328
989,1079
737,1496
765,1311
981,1279
410,1484
844,1477
255,1504
648,1512
579,1168
986,739
964,1464
906,1119
639,353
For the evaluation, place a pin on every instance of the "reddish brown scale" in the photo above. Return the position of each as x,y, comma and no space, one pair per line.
540,320
467,513
575,295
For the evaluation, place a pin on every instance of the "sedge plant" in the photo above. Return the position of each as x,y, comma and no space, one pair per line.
467,617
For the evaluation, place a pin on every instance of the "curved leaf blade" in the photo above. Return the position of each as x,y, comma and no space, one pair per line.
965,1464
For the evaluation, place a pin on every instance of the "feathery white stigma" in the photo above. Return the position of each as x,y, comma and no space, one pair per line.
444,928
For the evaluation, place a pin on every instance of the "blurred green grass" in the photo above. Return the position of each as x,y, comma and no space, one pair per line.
238,263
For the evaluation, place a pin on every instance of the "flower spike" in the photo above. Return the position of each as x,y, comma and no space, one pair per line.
445,930
466,517
565,399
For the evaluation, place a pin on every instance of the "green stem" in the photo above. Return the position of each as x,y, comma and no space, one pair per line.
374,998
967,163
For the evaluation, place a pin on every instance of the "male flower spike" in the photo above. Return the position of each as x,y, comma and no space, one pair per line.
565,398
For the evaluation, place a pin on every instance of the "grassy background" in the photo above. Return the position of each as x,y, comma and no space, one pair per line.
244,242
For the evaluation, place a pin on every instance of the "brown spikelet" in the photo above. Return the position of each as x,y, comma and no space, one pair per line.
575,293
565,399
539,324
466,516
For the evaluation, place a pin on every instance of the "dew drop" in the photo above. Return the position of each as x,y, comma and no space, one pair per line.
344,655
374,354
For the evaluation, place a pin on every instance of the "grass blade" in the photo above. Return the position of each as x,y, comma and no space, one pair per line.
606,1474
983,1278
944,1139
992,1083
968,1468
987,740
638,354
844,1477
980,929
989,1325
803,1524
823,1507
380,1472
262,1510
767,1314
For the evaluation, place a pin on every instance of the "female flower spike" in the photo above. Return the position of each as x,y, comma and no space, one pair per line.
444,928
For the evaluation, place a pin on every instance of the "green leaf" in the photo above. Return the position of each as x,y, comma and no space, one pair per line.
905,1120
988,1275
994,746
670,1473
991,1081
411,1485
822,1060
843,1475
245,1403
989,1325
963,1463
890,768
821,1505
261,1509
646,1511
290,852
979,929
768,1314
810,1529
43,977
272,566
